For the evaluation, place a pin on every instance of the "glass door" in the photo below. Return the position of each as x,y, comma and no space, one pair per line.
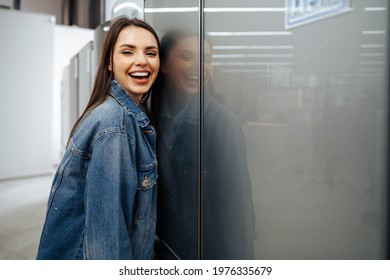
307,82
176,110
276,147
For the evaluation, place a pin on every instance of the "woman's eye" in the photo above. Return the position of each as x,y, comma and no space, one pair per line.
151,54
186,57
127,52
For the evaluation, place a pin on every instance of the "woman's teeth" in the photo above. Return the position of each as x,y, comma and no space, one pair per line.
192,77
139,75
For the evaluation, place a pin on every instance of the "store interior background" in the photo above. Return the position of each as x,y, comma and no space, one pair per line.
312,99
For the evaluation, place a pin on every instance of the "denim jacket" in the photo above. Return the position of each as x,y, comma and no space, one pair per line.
102,203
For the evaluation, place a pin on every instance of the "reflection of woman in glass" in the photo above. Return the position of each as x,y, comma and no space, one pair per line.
228,212
103,199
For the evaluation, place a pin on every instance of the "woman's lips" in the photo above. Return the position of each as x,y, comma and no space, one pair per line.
140,77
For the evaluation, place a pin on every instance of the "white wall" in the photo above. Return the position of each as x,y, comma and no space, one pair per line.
26,55
52,7
30,90
7,3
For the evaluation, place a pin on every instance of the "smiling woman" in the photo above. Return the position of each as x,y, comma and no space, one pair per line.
103,199
135,61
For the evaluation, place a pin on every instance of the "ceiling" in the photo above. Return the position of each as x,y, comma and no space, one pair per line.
254,39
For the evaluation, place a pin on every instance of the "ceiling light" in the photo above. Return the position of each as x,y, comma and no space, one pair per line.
171,10
253,55
375,9
254,33
211,10
374,32
251,63
125,5
257,47
217,10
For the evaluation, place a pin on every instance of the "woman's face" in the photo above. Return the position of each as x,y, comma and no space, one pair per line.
135,61
181,67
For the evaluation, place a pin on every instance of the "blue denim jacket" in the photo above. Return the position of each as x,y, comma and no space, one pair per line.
102,203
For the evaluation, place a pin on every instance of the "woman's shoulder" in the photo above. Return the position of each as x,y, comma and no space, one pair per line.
105,117
107,114
107,110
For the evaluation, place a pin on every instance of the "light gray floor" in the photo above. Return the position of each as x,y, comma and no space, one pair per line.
22,212
315,222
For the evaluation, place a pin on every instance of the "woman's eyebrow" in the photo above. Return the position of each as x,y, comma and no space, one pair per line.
151,47
130,46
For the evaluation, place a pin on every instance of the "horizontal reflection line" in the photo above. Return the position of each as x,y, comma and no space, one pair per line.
215,10
257,71
253,55
255,33
281,47
375,9
251,63
171,10
268,124
211,10
374,32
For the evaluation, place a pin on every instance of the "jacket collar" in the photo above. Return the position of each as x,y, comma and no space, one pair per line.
127,102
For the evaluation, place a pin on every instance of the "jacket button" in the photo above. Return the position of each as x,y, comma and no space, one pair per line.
145,182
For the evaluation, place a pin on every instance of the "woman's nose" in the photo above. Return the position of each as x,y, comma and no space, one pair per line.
141,60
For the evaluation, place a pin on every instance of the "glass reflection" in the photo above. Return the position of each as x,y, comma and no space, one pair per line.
228,211
312,101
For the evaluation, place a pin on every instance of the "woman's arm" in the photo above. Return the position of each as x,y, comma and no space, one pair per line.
109,199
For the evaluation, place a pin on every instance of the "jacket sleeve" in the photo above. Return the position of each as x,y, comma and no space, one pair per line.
109,198
237,192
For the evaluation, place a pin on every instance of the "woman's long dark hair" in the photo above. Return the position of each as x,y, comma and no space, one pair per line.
101,87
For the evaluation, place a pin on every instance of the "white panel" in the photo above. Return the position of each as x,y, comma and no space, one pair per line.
6,3
26,93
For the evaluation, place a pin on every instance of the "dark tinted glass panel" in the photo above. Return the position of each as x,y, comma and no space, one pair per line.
175,106
295,124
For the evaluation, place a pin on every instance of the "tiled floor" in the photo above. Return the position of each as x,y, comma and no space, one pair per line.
22,212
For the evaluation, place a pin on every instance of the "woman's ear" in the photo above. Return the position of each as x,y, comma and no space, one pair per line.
109,67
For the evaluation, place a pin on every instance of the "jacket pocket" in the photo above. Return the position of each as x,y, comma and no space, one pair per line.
144,204
147,176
